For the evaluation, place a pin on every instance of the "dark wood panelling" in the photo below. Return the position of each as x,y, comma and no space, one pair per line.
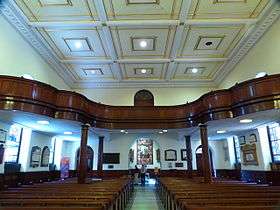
261,177
36,97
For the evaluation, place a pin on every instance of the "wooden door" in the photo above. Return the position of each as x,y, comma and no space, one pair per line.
199,164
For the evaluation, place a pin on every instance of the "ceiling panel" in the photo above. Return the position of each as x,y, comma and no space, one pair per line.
75,43
210,41
204,70
58,10
128,41
227,8
93,72
154,71
110,42
142,9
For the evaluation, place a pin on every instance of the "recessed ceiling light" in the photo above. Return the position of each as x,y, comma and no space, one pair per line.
160,132
43,122
194,70
93,71
208,43
126,132
246,121
27,76
260,74
143,71
122,131
78,44
164,131
221,131
143,44
68,133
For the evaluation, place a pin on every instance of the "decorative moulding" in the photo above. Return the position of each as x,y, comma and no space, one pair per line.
239,52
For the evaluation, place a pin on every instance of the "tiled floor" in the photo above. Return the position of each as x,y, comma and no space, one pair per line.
144,199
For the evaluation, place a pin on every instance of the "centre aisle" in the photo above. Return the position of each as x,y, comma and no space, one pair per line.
144,199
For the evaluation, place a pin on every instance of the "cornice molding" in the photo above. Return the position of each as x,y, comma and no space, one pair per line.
267,20
146,84
29,35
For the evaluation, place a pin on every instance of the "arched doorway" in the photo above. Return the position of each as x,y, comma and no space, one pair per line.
90,156
199,161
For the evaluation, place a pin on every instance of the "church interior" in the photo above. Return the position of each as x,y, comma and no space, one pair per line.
139,104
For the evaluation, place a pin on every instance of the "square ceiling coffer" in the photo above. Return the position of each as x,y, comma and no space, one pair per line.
78,44
93,71
143,71
209,42
194,70
142,2
143,43
47,3
229,1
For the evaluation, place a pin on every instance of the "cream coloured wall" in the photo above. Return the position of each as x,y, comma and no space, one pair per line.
264,56
17,57
163,96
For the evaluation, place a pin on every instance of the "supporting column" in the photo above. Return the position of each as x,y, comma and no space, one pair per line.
189,156
205,154
100,157
82,170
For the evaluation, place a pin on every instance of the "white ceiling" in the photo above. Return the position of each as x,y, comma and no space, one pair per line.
96,43
58,127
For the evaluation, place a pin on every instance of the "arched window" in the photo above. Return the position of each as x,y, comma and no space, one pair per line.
45,157
143,98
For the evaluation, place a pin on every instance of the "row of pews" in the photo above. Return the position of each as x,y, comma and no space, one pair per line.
111,194
193,194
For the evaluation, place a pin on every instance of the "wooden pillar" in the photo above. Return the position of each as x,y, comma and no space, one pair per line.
100,157
205,154
189,156
82,170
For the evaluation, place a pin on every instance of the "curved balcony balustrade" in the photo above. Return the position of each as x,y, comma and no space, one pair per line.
244,98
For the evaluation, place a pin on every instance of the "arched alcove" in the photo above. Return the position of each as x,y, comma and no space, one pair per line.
199,160
143,98
90,155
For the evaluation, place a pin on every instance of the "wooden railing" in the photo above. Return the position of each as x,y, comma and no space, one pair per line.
31,96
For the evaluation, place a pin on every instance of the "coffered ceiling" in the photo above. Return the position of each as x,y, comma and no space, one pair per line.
140,43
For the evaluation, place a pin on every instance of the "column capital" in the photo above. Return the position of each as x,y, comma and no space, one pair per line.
202,125
86,125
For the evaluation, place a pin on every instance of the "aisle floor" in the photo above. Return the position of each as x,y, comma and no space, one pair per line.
144,199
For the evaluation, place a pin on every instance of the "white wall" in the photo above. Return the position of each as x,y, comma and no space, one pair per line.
218,153
163,96
69,149
264,56
17,57
41,140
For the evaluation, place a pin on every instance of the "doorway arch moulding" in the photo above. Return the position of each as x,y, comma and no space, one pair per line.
244,98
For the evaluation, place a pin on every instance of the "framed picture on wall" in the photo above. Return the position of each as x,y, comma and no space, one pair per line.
3,136
35,157
170,155
252,138
242,140
250,154
183,154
